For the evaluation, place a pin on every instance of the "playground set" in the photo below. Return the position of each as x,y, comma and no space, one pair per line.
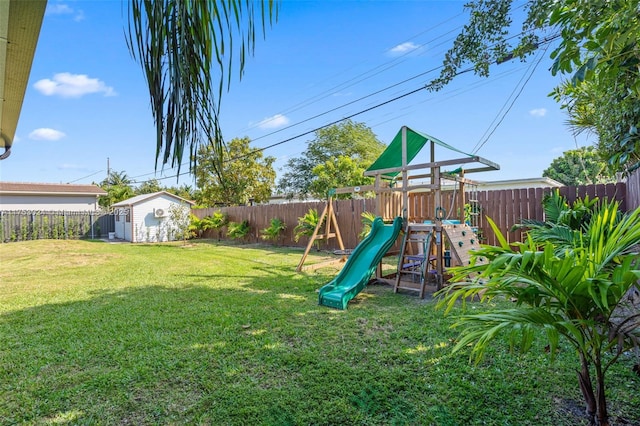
433,237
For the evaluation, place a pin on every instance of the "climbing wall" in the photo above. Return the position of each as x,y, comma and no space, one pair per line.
462,239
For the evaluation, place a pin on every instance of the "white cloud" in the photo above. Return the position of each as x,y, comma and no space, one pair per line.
538,112
403,48
274,122
70,85
46,134
64,9
59,9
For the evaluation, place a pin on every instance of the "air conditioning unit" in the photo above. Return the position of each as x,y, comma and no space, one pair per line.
159,213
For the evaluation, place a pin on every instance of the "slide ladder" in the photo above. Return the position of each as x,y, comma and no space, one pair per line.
414,259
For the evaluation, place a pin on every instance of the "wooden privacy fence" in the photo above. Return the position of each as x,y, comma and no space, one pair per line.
509,206
633,190
26,225
505,207
348,214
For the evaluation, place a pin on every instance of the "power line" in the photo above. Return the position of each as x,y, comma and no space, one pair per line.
545,42
514,100
367,74
84,177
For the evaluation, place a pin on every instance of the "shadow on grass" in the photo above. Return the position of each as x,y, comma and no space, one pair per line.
259,351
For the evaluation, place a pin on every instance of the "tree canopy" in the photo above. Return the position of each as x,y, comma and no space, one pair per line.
598,45
348,147
580,166
118,186
244,175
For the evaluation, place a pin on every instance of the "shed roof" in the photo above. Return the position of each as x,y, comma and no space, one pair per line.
27,188
144,197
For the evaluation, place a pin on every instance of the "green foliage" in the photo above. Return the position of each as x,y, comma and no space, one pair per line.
216,222
568,288
367,222
187,51
149,187
306,225
598,49
180,220
274,231
563,222
195,226
338,172
244,175
579,167
183,191
330,149
237,230
118,187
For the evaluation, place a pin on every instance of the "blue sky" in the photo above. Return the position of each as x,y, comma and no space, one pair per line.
87,101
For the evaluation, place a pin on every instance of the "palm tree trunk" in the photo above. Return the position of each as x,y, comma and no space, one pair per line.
584,378
602,415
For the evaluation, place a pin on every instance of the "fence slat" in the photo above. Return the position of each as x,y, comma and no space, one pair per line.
504,207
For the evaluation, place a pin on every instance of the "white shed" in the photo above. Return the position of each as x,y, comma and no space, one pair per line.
151,217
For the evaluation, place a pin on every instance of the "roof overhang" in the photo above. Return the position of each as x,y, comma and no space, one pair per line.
20,23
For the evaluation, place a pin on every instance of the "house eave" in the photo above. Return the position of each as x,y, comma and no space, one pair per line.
20,23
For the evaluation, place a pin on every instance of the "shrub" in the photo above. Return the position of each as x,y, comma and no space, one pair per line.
306,225
238,230
274,231
367,221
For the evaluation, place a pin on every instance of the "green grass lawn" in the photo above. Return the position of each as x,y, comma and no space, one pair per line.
97,333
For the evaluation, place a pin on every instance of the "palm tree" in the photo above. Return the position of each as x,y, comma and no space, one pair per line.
578,293
187,49
118,187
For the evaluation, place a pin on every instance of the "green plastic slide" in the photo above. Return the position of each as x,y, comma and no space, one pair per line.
362,263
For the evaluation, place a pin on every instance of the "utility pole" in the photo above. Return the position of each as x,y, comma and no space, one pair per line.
108,169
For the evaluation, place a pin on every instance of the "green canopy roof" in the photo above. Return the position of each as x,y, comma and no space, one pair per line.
391,157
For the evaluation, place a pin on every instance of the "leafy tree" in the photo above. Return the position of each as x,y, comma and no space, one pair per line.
574,287
579,167
346,139
180,215
149,187
608,112
187,50
244,175
118,187
337,172
598,45
184,191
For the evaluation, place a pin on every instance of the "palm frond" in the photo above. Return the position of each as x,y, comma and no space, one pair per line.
184,47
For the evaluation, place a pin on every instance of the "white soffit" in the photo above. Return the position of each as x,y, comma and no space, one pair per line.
20,23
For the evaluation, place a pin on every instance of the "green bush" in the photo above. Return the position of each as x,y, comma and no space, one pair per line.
367,221
306,225
238,231
274,231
